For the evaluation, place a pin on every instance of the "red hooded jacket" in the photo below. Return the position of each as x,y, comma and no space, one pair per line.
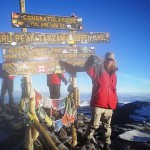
104,87
55,79
11,77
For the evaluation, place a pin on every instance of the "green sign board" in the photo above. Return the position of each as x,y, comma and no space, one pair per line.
23,20
23,53
36,67
52,38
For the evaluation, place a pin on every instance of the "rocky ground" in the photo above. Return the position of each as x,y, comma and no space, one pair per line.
13,127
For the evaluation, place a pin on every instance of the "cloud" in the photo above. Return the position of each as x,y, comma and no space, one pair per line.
142,80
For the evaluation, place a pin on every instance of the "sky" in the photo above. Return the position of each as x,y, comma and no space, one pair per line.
127,21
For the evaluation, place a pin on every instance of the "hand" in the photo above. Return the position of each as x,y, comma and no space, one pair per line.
89,62
65,82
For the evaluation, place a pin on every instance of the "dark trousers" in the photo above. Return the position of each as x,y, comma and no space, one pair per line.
7,85
54,91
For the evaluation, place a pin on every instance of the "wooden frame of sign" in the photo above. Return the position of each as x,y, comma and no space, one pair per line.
23,53
52,38
23,20
37,67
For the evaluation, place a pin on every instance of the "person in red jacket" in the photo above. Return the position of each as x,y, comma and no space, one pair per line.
54,83
104,96
7,85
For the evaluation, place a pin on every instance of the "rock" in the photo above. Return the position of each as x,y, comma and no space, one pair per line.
62,134
13,127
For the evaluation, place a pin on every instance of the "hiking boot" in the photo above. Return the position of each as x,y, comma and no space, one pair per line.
106,146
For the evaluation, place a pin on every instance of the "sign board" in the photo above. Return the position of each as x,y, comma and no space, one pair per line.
23,53
52,38
23,20
37,67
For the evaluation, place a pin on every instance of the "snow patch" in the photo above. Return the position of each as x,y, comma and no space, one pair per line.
136,136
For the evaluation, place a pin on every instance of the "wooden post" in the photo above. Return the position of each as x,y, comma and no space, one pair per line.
30,137
73,129
29,143
45,134
22,8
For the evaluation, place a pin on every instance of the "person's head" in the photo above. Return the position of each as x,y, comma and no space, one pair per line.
110,62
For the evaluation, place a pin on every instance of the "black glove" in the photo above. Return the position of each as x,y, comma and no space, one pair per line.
65,82
89,62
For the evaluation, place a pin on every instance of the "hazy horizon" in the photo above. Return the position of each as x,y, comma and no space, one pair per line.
123,97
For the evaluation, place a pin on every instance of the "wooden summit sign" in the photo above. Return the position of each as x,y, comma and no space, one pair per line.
23,20
23,53
37,67
52,38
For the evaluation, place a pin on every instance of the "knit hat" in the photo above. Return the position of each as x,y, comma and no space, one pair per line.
110,55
